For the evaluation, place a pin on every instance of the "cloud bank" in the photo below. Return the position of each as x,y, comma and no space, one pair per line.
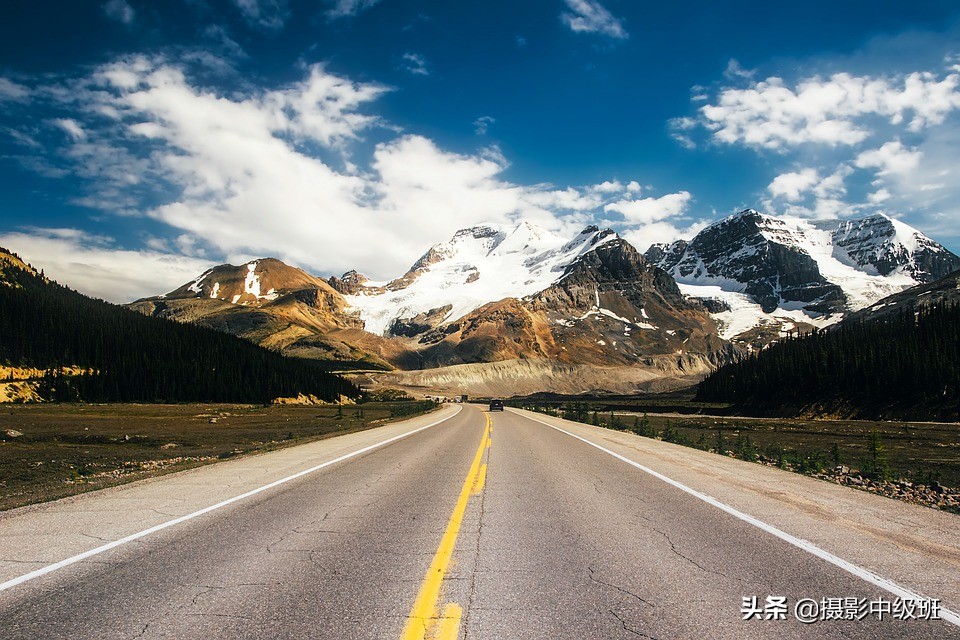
276,172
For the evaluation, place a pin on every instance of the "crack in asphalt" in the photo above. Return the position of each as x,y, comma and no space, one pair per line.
476,557
12,561
593,578
631,629
233,616
204,590
673,548
98,538
696,564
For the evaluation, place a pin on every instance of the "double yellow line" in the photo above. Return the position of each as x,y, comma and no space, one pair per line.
426,620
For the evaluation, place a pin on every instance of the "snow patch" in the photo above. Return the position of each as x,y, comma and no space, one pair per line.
196,285
745,314
251,284
515,262
599,311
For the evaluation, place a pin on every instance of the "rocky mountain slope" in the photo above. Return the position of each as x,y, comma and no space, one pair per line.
493,294
479,265
898,359
277,306
918,298
763,277
586,309
490,294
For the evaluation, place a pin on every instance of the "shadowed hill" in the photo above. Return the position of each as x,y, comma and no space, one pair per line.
131,357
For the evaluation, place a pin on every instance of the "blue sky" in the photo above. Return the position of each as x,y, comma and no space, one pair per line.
141,142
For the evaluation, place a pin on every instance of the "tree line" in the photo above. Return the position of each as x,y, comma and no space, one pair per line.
905,365
136,358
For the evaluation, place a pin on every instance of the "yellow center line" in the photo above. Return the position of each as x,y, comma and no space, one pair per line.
424,617
481,478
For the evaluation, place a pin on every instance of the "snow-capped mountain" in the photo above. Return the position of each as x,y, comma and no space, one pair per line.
275,305
762,276
589,311
477,266
495,294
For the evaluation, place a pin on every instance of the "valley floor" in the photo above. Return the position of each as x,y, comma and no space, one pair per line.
49,451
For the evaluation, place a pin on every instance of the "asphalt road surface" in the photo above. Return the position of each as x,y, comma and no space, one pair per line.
483,526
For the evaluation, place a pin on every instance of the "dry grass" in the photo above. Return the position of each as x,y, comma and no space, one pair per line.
913,449
63,450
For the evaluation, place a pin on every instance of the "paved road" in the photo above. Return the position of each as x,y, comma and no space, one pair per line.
479,527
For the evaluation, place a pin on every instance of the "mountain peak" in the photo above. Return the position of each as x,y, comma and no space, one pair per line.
479,265
477,232
255,282
746,214
763,267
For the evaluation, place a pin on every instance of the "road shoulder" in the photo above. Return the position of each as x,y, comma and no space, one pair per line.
38,535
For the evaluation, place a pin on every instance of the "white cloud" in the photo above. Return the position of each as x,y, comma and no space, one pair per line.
589,16
792,186
269,14
72,128
609,186
885,142
348,8
662,232
267,172
119,10
649,210
653,220
246,186
891,158
833,111
679,128
809,194
482,124
10,90
99,269
735,70
415,64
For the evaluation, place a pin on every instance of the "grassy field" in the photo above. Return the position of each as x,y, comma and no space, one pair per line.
917,451
49,451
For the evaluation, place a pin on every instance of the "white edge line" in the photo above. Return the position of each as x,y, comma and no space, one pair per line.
865,574
140,534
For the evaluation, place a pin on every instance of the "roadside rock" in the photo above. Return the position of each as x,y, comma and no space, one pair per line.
933,495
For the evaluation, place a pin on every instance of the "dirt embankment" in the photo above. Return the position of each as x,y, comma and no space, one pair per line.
523,377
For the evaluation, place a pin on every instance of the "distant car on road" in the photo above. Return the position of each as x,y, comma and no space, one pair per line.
496,405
